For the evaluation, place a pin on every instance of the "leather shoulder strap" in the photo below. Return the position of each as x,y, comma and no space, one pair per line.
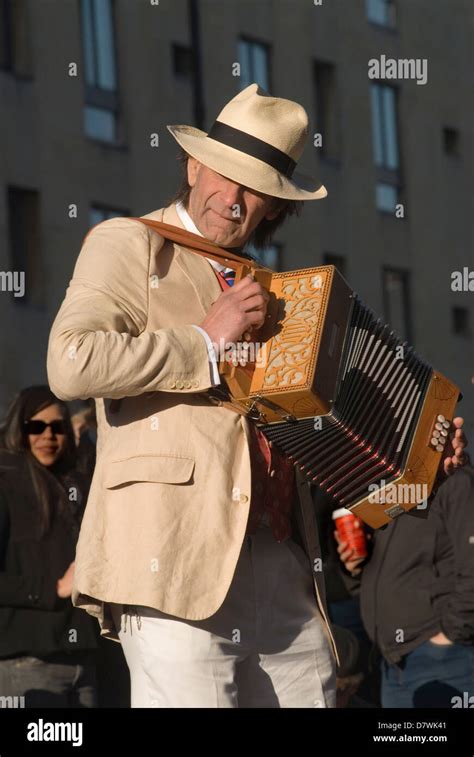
199,245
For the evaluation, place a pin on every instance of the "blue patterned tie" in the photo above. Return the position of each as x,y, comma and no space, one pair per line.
229,276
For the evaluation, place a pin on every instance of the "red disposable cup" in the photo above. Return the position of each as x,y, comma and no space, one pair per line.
350,530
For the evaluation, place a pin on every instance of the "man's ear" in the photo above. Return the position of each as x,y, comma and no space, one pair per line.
274,210
192,169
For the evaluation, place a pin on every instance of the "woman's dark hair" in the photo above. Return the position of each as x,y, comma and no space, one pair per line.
265,230
49,483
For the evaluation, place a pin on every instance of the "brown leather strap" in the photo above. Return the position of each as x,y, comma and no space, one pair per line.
199,245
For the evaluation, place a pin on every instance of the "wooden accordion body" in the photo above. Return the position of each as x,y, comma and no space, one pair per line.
335,389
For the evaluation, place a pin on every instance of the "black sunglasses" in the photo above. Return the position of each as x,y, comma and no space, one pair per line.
38,427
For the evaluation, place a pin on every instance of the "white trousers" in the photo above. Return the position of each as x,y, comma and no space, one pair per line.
267,645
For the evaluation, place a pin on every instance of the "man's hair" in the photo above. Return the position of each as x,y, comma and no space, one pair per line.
265,230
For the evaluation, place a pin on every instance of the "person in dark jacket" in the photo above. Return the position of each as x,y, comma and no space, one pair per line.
46,645
417,599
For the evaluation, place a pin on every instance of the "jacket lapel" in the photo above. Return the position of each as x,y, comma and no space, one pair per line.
196,268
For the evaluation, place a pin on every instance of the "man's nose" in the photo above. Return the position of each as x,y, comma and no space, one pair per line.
233,194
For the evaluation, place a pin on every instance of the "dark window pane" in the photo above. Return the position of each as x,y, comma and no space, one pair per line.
337,260
88,42
5,35
15,37
98,44
260,66
326,108
460,321
451,141
183,60
381,12
384,127
101,109
396,301
99,213
100,124
377,125
245,64
104,35
270,256
24,234
386,197
390,127
254,64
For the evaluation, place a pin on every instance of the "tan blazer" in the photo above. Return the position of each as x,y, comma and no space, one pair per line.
169,502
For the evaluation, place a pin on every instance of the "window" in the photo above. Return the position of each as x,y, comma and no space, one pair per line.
270,256
254,59
15,39
382,12
397,301
327,122
385,146
99,213
384,124
451,141
386,197
460,321
25,247
101,89
337,260
183,60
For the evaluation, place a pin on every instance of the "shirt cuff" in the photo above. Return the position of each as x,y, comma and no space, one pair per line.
215,378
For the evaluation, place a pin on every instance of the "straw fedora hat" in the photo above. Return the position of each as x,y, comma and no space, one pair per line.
256,141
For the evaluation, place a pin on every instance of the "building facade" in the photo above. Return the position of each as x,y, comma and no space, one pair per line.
88,86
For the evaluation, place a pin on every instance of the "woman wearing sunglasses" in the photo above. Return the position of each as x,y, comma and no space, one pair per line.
46,645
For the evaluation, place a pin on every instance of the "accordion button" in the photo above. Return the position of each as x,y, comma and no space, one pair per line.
441,418
444,432
439,448
446,424
434,441
436,434
439,426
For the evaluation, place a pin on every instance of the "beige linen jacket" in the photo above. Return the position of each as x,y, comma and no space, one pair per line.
169,502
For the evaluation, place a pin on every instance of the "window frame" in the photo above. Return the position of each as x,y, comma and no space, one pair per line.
267,46
407,307
33,264
392,25
96,96
9,65
333,157
105,208
466,333
384,174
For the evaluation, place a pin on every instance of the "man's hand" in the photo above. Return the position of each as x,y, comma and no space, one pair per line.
454,455
64,584
236,310
351,564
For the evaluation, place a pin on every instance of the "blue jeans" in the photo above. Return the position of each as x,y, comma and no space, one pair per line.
432,675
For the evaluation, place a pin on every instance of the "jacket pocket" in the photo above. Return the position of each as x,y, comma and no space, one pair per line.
163,469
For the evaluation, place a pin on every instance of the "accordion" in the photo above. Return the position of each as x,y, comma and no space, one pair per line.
353,406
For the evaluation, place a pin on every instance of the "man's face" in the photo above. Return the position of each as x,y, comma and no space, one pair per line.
225,212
